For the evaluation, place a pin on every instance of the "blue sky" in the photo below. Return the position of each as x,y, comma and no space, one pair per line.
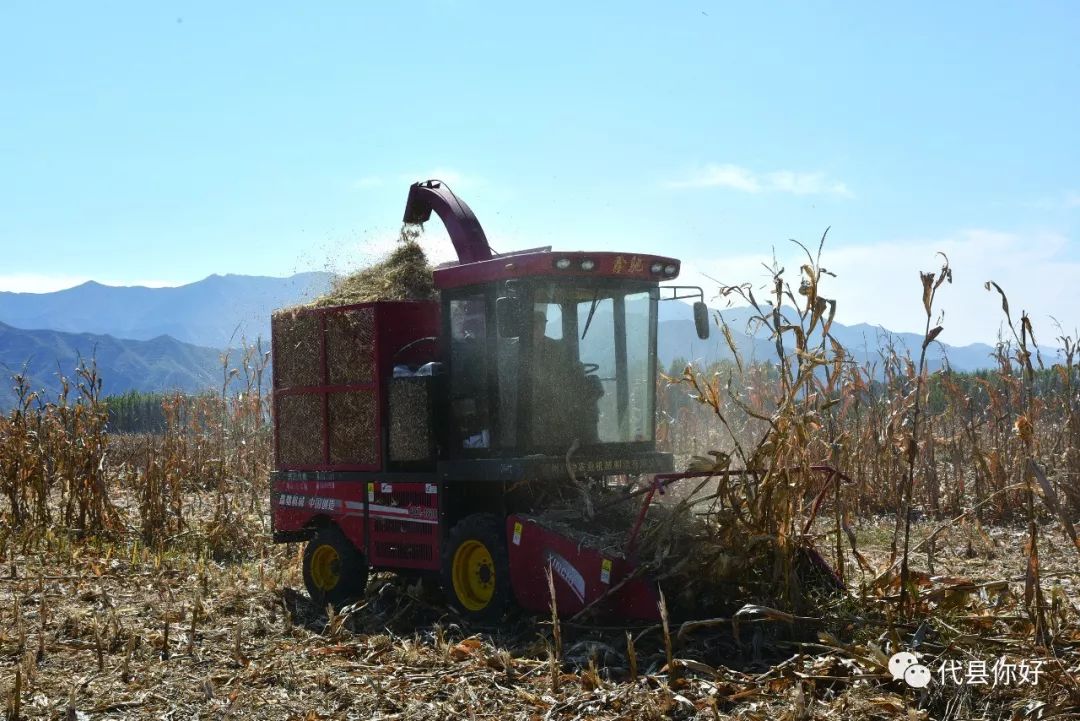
161,142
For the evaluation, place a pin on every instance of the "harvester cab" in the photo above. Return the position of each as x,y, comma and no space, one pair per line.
546,349
403,428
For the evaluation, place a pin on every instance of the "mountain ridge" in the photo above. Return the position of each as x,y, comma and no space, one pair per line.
192,313
172,338
159,364
756,344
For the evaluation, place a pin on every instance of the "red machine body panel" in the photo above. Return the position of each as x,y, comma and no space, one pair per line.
404,521
581,575
297,504
397,522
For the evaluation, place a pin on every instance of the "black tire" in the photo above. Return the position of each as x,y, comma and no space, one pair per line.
335,572
476,568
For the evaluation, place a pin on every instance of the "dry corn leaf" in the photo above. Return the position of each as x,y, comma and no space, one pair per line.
465,649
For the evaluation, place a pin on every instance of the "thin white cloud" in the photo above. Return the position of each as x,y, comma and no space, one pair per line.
721,176
878,283
743,179
1072,199
146,283
37,283
786,181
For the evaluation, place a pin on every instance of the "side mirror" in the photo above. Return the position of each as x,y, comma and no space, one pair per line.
701,319
508,316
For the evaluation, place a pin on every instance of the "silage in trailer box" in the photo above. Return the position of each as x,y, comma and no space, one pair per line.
331,372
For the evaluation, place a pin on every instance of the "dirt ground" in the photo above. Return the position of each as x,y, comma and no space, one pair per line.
112,630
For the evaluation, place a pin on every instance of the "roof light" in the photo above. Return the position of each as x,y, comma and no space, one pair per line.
671,269
588,264
562,263
656,267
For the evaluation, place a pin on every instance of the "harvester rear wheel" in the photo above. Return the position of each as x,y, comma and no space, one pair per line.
334,570
476,568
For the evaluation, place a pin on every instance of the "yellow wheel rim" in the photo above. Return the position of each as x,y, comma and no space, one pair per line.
473,575
325,567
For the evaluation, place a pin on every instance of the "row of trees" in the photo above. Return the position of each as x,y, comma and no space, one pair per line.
136,412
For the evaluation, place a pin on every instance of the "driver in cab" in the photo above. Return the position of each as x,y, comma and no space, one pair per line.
564,399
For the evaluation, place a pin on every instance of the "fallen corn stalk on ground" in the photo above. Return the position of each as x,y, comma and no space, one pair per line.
113,630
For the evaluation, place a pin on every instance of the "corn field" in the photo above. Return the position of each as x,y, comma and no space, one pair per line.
971,451
138,578
63,471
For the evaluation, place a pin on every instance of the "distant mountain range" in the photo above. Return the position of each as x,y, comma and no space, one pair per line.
215,311
162,363
165,338
677,338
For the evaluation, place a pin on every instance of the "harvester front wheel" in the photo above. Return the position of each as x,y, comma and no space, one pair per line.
334,570
476,568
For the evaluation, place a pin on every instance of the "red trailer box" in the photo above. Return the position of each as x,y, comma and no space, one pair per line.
332,372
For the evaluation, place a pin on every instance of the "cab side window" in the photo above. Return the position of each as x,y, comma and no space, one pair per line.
468,372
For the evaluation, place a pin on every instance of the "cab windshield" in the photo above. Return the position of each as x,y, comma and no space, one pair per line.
589,363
